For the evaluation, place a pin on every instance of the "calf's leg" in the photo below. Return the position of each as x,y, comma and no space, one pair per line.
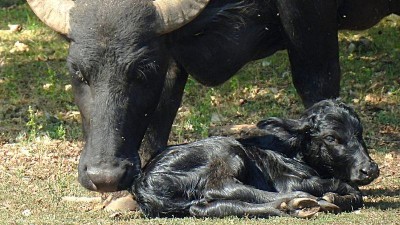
222,208
231,198
348,202
298,207
335,191
240,192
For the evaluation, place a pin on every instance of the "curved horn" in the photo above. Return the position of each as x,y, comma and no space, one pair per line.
176,13
54,13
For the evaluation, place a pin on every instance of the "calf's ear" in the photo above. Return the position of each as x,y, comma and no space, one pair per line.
284,127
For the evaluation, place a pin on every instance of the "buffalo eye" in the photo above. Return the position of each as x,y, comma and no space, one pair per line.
78,75
136,73
330,139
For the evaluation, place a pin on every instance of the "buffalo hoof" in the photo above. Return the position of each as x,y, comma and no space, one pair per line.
302,207
330,197
120,201
328,207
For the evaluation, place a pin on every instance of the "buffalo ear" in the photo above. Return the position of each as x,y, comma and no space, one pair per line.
284,128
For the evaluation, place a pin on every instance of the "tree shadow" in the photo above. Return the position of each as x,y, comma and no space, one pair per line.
10,3
382,198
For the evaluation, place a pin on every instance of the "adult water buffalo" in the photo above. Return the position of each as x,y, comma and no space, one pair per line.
130,59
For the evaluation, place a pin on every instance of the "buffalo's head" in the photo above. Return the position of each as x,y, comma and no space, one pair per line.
118,61
329,139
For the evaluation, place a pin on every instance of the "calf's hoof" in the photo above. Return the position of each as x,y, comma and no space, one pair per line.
197,210
328,207
302,207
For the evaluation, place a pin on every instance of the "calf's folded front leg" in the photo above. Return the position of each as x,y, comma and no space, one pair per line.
347,202
334,191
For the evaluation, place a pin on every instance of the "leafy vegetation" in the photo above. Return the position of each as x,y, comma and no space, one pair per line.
40,135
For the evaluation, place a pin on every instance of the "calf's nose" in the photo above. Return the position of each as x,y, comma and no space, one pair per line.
370,170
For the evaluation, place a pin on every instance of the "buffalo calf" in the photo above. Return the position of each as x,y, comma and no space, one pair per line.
293,167
327,137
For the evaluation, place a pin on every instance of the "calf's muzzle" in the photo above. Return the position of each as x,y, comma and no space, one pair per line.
367,172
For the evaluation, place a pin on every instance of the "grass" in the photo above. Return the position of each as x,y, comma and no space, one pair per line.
40,135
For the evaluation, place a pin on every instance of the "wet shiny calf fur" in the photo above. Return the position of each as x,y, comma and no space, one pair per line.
290,169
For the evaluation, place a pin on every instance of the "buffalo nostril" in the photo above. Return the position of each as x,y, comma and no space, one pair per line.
364,171
367,173
375,169
370,170
105,180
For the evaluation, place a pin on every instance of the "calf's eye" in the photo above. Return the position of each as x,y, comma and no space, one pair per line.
330,139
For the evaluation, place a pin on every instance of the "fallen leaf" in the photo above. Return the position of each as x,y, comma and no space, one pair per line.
242,101
389,156
373,99
26,212
67,87
115,215
19,47
47,86
15,27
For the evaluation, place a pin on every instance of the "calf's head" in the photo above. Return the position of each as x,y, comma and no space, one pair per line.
329,139
118,61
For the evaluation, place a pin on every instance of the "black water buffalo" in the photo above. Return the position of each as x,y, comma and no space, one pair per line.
130,59
322,154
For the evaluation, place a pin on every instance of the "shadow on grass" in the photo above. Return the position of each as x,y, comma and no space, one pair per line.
9,3
382,198
381,192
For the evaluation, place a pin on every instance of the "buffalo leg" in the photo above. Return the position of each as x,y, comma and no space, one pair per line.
222,208
311,31
298,207
345,196
236,191
347,202
334,191
237,200
157,133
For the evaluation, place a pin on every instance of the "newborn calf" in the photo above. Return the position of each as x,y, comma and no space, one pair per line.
322,154
328,138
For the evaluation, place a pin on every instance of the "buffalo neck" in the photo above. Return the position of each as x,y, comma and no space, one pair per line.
394,6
